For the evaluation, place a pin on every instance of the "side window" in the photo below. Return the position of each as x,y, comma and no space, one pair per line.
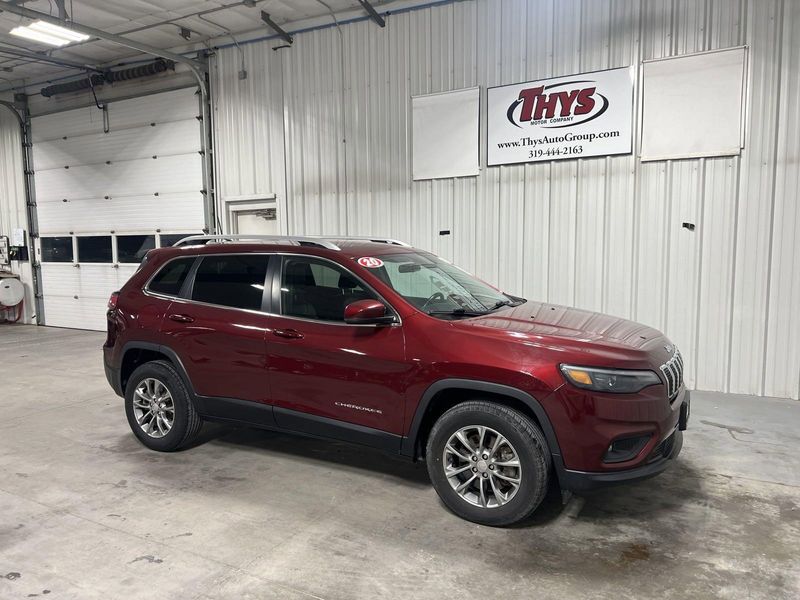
235,280
132,248
94,249
314,289
170,278
56,249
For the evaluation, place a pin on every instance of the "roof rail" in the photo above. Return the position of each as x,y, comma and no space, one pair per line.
279,239
379,240
293,240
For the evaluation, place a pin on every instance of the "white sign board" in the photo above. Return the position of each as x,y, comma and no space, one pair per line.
445,134
694,105
588,114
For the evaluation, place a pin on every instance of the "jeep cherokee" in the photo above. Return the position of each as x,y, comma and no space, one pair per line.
377,343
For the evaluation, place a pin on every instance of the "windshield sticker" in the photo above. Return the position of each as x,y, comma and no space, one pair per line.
370,262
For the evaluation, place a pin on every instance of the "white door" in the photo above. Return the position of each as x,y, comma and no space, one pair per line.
253,215
259,222
109,188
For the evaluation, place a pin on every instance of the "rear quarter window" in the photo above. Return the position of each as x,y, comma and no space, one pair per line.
170,278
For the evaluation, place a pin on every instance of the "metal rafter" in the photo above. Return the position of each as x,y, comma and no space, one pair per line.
373,14
276,28
37,57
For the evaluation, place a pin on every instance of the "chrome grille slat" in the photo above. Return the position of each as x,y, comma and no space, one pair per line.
673,374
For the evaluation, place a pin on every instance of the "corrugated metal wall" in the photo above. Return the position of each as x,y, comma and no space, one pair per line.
325,126
12,197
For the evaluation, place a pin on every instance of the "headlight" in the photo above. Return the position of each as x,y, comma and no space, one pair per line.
609,380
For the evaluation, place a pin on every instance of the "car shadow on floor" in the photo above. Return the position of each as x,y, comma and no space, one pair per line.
651,498
343,454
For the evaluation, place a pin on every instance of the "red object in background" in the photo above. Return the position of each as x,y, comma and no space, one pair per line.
18,309
378,380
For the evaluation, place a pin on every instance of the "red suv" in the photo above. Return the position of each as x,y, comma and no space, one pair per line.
375,342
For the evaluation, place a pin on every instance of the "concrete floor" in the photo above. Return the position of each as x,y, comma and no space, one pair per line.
87,512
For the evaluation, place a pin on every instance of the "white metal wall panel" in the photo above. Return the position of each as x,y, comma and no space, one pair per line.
12,198
603,234
141,176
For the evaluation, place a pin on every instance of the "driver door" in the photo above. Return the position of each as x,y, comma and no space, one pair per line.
328,376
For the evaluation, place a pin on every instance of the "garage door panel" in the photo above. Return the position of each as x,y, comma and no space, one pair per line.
80,121
98,281
178,105
164,175
77,313
164,139
177,212
60,279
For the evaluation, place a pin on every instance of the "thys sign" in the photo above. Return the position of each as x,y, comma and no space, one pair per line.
589,114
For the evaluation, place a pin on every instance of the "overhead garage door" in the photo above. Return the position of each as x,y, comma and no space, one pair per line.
108,189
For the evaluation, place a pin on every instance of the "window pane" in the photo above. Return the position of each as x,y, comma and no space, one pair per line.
171,277
132,248
168,239
235,280
56,249
317,290
94,249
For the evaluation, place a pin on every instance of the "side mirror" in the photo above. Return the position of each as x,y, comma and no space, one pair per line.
367,312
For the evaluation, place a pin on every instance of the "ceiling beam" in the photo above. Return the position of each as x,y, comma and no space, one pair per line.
373,14
276,28
63,62
98,33
62,10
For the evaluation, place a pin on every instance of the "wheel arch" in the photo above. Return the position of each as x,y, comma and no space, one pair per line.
446,393
137,353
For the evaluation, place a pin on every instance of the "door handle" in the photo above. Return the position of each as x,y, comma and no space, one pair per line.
181,318
291,334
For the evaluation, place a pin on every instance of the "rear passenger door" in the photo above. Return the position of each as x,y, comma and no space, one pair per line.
327,375
218,326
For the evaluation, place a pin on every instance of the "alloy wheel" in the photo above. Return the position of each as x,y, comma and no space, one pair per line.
153,407
482,466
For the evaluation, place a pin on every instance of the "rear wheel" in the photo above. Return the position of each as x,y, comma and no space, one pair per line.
159,409
488,463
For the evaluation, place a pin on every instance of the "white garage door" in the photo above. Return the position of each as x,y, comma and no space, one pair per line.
108,190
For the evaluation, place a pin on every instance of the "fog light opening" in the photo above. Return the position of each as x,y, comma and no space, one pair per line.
624,449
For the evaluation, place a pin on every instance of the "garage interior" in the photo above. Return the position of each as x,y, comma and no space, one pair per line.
297,117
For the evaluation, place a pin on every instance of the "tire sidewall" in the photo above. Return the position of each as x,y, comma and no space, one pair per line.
180,399
534,472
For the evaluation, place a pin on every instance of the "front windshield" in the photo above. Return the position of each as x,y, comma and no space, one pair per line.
437,287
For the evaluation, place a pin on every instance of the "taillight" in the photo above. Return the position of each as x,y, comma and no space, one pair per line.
112,301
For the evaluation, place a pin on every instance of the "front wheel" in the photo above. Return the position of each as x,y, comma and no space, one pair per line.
488,463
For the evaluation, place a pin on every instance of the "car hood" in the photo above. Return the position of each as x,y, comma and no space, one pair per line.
560,326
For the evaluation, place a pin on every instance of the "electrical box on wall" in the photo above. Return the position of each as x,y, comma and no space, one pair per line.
18,237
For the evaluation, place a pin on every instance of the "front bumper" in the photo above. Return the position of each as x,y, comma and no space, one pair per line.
665,453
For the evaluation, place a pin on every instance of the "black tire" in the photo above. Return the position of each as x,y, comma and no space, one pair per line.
528,442
187,421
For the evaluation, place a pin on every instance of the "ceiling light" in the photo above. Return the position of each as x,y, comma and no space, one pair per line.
47,33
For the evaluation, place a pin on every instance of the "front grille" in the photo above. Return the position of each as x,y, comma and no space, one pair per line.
673,373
